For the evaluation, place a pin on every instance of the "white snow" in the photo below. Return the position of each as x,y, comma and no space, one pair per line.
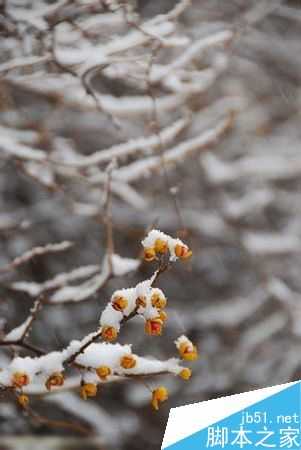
122,266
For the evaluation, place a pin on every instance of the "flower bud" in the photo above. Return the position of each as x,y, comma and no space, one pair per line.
20,379
88,390
188,351
109,333
158,301
149,254
56,379
153,327
182,252
119,303
159,395
128,361
185,373
161,246
23,400
103,372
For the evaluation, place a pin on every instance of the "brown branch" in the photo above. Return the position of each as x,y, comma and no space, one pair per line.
108,218
58,423
23,344
34,312
36,251
157,130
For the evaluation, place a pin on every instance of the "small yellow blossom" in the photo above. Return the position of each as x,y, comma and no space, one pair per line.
182,252
158,301
119,303
149,254
109,333
23,400
128,361
161,246
103,372
20,379
153,327
185,373
159,395
56,379
88,390
188,351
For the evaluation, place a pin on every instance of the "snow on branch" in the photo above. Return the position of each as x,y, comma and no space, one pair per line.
19,333
77,293
34,289
123,150
102,362
37,251
13,148
145,167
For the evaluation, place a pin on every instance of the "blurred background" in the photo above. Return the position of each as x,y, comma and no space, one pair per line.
229,186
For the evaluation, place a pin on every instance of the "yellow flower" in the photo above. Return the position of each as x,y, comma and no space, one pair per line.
20,379
141,301
153,327
161,246
158,301
23,400
103,372
119,303
182,251
88,390
128,361
163,316
109,333
56,379
188,351
149,254
185,373
159,395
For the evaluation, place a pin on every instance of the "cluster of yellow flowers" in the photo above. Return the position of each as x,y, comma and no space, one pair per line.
144,300
153,326
161,244
22,379
127,361
161,247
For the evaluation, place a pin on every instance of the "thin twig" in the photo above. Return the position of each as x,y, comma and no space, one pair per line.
108,217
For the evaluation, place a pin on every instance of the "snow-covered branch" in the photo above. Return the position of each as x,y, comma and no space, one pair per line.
106,361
